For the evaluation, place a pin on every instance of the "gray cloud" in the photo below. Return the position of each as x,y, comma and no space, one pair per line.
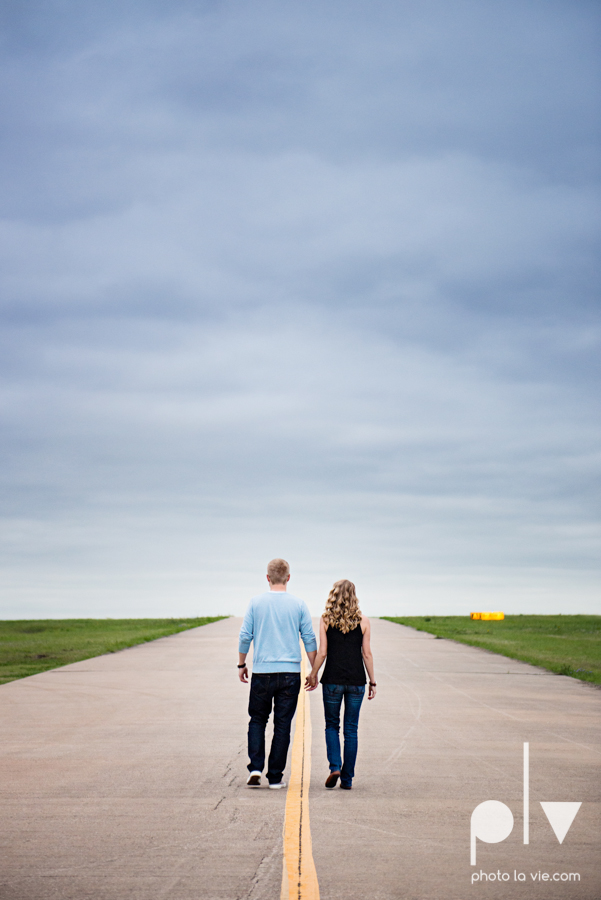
318,282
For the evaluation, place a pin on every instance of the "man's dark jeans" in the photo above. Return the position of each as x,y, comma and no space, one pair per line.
333,695
281,689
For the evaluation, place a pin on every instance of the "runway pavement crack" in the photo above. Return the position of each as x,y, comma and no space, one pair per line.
265,881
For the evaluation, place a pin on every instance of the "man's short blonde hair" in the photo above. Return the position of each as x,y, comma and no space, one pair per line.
278,571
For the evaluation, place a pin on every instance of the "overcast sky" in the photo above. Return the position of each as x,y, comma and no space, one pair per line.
315,280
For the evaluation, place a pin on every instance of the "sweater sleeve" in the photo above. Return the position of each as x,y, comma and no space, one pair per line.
247,631
306,629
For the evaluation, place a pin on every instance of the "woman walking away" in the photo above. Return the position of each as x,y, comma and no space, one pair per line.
344,639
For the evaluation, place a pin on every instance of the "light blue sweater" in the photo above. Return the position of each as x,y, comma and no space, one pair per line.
274,621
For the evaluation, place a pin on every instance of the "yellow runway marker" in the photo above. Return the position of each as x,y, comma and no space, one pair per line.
299,878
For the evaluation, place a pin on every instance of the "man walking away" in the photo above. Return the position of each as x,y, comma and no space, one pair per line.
273,621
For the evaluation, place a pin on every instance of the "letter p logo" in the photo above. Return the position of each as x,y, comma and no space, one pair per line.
492,822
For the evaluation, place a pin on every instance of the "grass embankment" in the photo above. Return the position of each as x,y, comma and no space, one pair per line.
30,646
566,645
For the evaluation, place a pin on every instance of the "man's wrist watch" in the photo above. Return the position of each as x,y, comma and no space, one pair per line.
242,665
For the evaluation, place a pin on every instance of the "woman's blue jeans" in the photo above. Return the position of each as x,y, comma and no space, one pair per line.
332,701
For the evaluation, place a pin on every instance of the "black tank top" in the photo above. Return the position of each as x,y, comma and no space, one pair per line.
344,662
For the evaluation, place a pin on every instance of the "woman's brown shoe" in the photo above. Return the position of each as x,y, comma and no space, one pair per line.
332,779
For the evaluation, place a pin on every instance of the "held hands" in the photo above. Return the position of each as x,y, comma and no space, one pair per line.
311,681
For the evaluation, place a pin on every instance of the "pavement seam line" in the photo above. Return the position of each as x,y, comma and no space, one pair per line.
299,878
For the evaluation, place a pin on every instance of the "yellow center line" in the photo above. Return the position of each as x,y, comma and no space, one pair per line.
299,878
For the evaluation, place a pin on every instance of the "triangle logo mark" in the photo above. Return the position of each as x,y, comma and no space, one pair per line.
560,816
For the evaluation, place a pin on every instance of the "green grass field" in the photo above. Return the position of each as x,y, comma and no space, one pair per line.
30,646
567,645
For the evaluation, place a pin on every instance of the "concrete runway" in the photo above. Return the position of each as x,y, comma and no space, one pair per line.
124,777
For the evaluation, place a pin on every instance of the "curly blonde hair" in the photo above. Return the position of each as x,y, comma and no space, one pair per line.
342,607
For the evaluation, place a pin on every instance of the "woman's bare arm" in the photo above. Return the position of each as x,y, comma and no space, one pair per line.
368,658
311,679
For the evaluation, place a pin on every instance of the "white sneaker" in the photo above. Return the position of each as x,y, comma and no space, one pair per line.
276,787
254,780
